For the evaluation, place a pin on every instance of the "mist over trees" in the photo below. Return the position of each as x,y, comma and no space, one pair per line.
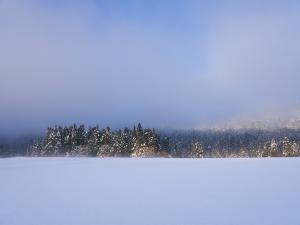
234,143
137,141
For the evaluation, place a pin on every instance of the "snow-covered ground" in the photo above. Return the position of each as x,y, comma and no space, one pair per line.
94,191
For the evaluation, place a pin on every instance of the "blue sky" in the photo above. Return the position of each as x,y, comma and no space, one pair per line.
167,64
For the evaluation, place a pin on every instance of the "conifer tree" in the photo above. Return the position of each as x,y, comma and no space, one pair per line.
50,142
165,144
140,142
287,147
106,138
126,141
197,150
94,140
80,136
270,149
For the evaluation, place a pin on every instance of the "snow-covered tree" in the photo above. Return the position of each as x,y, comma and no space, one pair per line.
197,150
106,138
52,142
94,140
81,136
271,149
287,148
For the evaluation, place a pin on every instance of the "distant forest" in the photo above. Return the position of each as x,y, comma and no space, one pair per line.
75,141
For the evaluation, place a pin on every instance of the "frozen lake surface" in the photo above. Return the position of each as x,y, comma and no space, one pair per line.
94,191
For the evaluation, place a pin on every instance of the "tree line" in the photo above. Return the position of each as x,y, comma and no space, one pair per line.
77,141
139,142
234,143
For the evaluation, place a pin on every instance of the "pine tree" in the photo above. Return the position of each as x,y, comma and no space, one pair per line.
140,141
151,139
81,136
94,140
58,141
106,138
50,142
165,144
270,149
126,141
35,149
295,149
116,142
287,148
197,150
73,136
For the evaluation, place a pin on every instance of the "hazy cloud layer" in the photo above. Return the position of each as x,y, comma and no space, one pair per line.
198,64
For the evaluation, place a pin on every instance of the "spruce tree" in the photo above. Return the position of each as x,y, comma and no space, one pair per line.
287,147
270,149
106,138
94,140
197,150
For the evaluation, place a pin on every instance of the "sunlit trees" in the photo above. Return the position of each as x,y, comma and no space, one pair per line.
197,150
76,141
93,141
271,149
290,149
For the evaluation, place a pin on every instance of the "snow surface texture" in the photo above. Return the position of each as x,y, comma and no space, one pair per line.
93,191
